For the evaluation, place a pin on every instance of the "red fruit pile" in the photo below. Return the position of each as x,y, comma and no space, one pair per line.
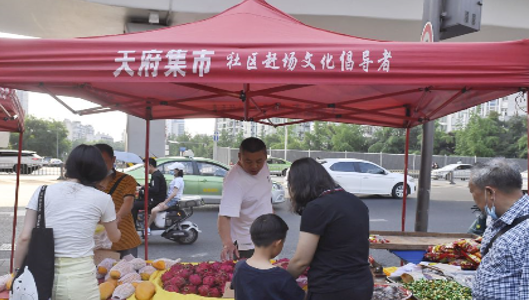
302,280
204,279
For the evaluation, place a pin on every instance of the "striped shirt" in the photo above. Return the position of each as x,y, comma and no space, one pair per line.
127,187
504,271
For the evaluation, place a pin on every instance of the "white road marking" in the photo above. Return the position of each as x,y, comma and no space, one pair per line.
5,247
200,254
20,213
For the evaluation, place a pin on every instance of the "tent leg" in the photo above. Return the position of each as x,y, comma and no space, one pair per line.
146,200
527,110
405,187
15,210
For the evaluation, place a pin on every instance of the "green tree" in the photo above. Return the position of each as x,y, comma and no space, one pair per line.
200,144
481,137
393,140
46,137
522,147
225,139
349,138
515,128
320,138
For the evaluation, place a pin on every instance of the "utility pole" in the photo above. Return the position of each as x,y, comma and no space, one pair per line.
57,133
286,141
215,141
432,11
444,19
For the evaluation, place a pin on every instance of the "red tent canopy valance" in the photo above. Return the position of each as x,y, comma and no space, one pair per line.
254,62
11,112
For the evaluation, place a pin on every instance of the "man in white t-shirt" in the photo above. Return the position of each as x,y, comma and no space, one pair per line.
246,195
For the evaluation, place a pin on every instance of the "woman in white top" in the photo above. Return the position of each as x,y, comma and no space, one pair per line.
174,193
73,208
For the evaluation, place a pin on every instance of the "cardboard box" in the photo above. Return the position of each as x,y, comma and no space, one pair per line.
101,254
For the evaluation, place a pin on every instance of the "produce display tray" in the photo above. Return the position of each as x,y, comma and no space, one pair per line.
415,240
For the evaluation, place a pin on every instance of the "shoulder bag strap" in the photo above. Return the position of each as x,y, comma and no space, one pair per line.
41,219
503,231
115,186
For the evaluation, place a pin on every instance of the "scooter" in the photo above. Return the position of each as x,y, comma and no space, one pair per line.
172,223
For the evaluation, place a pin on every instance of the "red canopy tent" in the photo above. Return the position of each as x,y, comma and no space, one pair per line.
12,120
254,62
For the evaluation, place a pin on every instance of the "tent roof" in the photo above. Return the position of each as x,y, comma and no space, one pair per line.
11,112
257,63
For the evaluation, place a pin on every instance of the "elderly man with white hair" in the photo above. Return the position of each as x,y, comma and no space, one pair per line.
496,187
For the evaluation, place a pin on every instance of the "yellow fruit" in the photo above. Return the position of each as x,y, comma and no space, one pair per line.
113,281
9,283
106,289
159,264
145,290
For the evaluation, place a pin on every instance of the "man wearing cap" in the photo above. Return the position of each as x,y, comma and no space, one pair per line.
175,192
157,189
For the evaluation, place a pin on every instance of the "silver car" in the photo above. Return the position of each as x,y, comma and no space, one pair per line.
461,171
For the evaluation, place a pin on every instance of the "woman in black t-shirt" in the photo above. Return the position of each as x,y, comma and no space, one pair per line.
334,237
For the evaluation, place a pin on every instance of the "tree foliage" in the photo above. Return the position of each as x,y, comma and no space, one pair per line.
43,136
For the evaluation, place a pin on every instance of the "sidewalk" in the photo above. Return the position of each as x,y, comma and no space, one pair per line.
4,266
28,185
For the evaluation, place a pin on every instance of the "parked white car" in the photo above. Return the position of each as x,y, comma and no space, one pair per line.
461,171
30,161
363,177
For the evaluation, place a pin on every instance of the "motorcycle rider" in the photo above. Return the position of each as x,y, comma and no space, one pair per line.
176,190
157,189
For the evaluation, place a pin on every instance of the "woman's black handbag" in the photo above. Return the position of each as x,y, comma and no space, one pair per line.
34,279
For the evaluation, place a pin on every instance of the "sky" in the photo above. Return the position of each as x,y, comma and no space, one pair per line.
112,123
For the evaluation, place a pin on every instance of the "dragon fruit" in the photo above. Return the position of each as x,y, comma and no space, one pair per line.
185,273
195,280
203,290
214,292
178,281
227,268
188,289
204,279
171,288
209,280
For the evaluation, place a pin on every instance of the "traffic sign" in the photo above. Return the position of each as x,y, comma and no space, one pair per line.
427,33
182,149
216,136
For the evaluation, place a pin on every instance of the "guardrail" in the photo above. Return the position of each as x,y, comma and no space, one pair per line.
33,169
462,175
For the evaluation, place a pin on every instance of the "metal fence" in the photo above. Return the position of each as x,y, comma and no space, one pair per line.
37,169
388,161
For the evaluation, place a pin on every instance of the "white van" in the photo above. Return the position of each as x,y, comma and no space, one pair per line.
30,161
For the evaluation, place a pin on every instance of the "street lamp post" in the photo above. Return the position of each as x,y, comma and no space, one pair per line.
57,135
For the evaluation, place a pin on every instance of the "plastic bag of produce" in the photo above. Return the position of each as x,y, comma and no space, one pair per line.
101,239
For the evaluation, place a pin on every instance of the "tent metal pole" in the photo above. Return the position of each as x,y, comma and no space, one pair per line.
405,187
15,210
146,185
527,112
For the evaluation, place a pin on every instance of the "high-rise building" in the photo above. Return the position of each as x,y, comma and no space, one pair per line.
23,96
78,131
248,129
175,127
506,108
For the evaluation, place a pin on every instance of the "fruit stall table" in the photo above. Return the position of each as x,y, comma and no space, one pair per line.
162,294
411,246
